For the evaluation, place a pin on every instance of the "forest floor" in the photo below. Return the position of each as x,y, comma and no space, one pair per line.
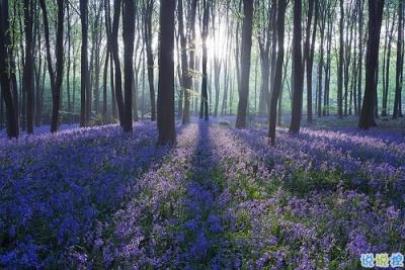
222,199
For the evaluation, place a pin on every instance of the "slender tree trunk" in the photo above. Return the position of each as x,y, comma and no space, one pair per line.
28,76
128,15
117,64
74,84
347,63
399,64
360,59
297,70
217,63
21,55
275,94
105,77
341,62
386,75
326,99
56,76
186,79
204,85
83,62
321,64
309,53
97,37
149,54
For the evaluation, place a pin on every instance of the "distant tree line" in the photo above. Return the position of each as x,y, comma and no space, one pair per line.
101,61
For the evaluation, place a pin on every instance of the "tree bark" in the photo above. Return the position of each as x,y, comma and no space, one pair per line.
28,72
297,70
275,94
83,62
367,119
341,62
246,48
117,64
149,54
6,71
399,64
309,49
128,15
204,85
165,112
56,75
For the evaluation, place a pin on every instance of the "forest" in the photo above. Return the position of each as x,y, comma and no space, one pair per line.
202,134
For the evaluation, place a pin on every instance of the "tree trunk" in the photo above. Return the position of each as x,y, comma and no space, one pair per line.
341,62
399,65
360,79
386,75
5,74
321,61
128,16
149,55
117,64
375,8
28,75
69,43
105,75
56,75
297,70
83,62
204,93
165,113
246,48
186,79
275,94
309,50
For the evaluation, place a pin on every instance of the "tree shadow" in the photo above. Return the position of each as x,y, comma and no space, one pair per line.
202,234
68,185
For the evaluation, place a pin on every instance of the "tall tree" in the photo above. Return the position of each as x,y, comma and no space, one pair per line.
83,62
186,79
245,52
55,73
278,76
297,70
148,34
116,58
216,20
309,49
375,9
387,63
399,65
165,112
191,37
28,72
341,62
264,39
128,16
360,58
6,71
323,13
204,85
